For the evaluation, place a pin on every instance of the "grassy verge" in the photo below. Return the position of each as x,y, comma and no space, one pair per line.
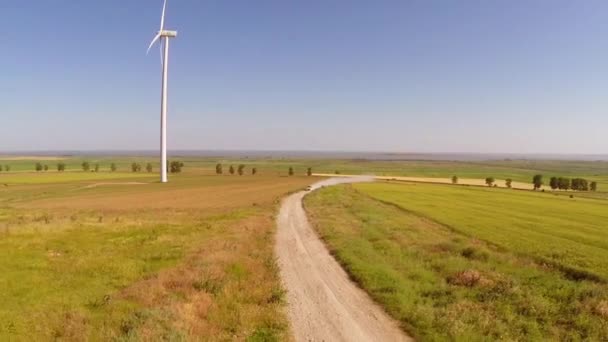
443,284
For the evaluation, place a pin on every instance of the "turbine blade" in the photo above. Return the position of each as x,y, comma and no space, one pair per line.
153,41
162,17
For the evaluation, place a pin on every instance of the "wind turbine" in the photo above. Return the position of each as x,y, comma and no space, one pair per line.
163,36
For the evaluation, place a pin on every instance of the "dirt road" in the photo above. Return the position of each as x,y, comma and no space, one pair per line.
324,305
462,181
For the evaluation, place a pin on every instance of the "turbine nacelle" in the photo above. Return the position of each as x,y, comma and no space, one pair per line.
168,33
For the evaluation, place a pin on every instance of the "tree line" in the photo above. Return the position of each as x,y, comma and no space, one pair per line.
173,167
563,183
219,170
556,183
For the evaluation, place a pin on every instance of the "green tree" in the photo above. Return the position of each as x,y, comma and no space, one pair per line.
218,169
580,184
554,183
309,171
176,166
584,185
60,167
454,179
113,167
291,171
254,171
537,181
231,170
149,167
38,167
490,181
563,183
86,166
509,183
593,186
241,169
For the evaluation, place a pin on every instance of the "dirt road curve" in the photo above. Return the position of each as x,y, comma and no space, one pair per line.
324,305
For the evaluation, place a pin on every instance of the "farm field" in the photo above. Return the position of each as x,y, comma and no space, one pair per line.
118,256
518,170
472,263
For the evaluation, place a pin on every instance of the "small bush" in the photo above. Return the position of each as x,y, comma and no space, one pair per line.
176,166
468,278
475,253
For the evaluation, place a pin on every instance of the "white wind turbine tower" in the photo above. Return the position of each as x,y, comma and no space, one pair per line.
163,36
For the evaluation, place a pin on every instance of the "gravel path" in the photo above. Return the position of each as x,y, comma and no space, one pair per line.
324,305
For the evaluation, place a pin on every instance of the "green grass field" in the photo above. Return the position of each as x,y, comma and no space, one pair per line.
118,256
467,263
518,170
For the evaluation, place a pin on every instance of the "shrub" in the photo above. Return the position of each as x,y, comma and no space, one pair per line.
254,171
454,179
218,169
467,278
176,166
537,181
46,167
7,168
135,167
96,167
86,166
61,167
563,183
149,167
38,167
113,167
554,183
231,170
241,169
475,253
309,171
593,186
291,171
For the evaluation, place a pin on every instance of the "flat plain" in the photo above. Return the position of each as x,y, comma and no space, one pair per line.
133,259
473,263
116,255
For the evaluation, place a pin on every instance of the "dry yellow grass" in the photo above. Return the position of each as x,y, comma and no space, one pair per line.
197,192
106,263
500,183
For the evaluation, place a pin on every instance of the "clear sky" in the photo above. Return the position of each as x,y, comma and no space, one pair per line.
409,76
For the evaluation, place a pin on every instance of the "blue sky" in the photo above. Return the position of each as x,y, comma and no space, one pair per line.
409,76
